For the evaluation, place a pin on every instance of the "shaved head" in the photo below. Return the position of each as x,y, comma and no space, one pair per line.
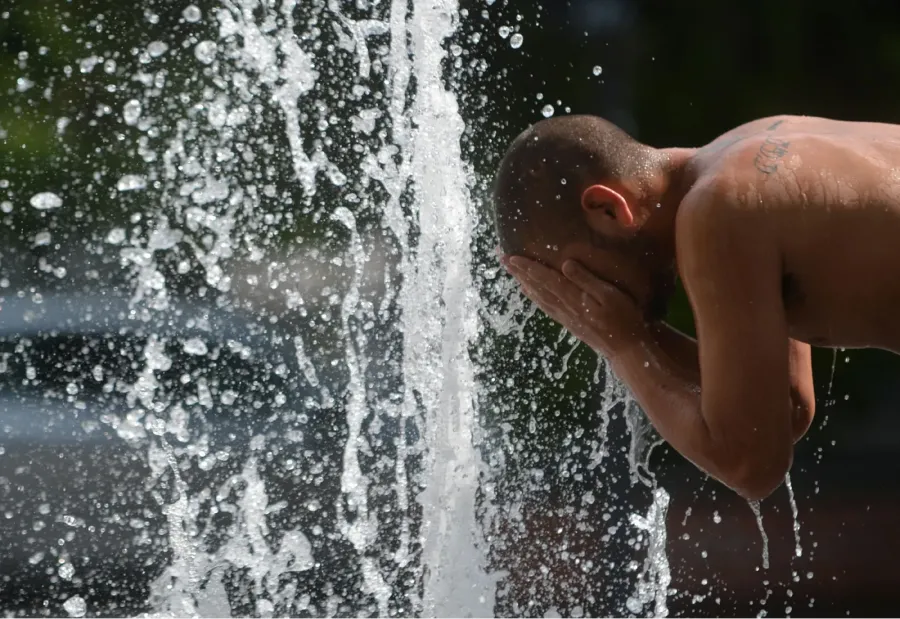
537,190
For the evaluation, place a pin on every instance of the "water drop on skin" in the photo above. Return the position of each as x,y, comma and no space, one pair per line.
515,41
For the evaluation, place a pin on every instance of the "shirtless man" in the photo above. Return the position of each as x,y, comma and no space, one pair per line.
785,232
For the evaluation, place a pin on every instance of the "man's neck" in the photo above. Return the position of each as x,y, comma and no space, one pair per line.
670,184
675,178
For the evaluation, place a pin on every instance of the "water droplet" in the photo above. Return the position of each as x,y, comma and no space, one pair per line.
66,571
195,346
598,70
131,182
86,65
205,51
516,40
23,84
192,14
46,200
504,31
547,111
75,606
157,49
41,239
131,112
716,517
115,236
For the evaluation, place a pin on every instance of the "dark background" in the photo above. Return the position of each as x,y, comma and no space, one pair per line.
674,74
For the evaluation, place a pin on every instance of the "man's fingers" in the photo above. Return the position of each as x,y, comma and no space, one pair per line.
540,277
555,294
546,300
582,304
535,271
587,281
550,306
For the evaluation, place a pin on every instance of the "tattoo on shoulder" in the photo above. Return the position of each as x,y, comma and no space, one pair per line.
770,153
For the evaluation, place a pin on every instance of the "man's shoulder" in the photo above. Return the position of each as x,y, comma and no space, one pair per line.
718,216
714,199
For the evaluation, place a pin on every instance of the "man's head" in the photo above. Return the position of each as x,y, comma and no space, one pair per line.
579,187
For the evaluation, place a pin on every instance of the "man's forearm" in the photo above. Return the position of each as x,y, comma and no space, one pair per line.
666,383
667,386
680,348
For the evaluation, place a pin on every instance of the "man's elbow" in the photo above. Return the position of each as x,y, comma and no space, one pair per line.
803,411
756,477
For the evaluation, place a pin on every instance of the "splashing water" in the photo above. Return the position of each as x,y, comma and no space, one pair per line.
653,582
332,123
795,514
281,343
754,506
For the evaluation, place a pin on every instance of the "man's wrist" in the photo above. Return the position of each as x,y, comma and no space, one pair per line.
622,348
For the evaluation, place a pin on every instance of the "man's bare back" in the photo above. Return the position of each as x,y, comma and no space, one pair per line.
828,192
785,232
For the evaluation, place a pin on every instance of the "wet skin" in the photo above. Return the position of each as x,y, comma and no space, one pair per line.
784,234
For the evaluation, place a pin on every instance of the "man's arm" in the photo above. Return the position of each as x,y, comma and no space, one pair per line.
738,426
682,350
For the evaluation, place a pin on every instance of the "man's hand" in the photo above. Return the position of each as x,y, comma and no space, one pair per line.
594,311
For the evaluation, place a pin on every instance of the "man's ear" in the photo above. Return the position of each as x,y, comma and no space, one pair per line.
607,210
